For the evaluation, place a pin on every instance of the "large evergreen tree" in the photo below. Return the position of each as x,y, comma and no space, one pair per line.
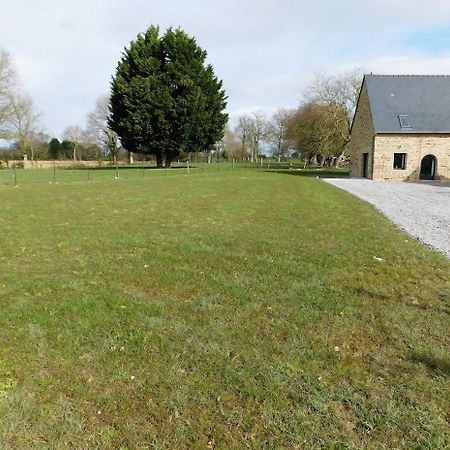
165,99
55,149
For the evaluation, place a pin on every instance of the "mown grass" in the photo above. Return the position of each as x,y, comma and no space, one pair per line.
11,177
237,309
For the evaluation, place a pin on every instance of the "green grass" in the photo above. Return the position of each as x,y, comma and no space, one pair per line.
9,177
232,309
107,172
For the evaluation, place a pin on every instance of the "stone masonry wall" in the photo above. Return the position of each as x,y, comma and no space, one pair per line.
362,136
416,147
27,164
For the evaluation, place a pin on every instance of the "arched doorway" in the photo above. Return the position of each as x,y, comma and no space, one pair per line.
428,167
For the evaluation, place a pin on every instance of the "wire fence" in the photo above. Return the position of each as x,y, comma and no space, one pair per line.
14,176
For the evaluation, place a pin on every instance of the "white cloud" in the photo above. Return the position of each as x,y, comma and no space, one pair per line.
413,63
266,51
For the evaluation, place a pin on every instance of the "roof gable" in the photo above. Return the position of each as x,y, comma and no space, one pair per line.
423,99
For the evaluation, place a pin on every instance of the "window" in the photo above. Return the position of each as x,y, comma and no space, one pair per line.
400,161
404,121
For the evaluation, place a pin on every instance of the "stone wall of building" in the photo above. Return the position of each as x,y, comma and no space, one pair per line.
416,147
362,136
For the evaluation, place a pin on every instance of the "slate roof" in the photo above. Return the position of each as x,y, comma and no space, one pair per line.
424,98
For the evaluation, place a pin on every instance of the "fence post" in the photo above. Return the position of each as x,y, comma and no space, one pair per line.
117,171
54,172
188,166
89,173
15,175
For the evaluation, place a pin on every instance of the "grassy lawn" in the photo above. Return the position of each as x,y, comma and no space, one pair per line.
232,309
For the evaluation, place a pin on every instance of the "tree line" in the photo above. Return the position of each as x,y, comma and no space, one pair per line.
318,130
19,118
21,126
166,103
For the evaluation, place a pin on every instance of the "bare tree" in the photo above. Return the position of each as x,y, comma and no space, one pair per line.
25,123
38,144
98,130
230,145
19,117
339,94
250,131
276,132
8,88
257,132
77,136
243,133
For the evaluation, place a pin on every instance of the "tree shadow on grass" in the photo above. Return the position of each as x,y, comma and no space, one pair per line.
440,365
314,173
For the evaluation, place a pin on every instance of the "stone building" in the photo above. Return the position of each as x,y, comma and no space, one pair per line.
401,128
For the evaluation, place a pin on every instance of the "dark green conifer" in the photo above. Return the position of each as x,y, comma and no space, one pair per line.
165,100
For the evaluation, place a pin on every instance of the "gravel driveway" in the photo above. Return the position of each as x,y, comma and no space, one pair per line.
420,209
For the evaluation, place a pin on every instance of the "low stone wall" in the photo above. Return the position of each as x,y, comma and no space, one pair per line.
61,164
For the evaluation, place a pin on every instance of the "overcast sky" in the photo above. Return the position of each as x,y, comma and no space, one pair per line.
265,51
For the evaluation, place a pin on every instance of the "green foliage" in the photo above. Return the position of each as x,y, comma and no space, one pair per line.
314,131
55,149
67,149
165,100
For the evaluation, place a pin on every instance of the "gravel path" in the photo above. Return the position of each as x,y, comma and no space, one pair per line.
420,209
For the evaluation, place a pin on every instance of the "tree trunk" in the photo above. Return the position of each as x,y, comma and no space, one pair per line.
159,161
168,162
338,160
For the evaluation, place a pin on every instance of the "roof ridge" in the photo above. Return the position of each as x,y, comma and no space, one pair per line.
407,75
